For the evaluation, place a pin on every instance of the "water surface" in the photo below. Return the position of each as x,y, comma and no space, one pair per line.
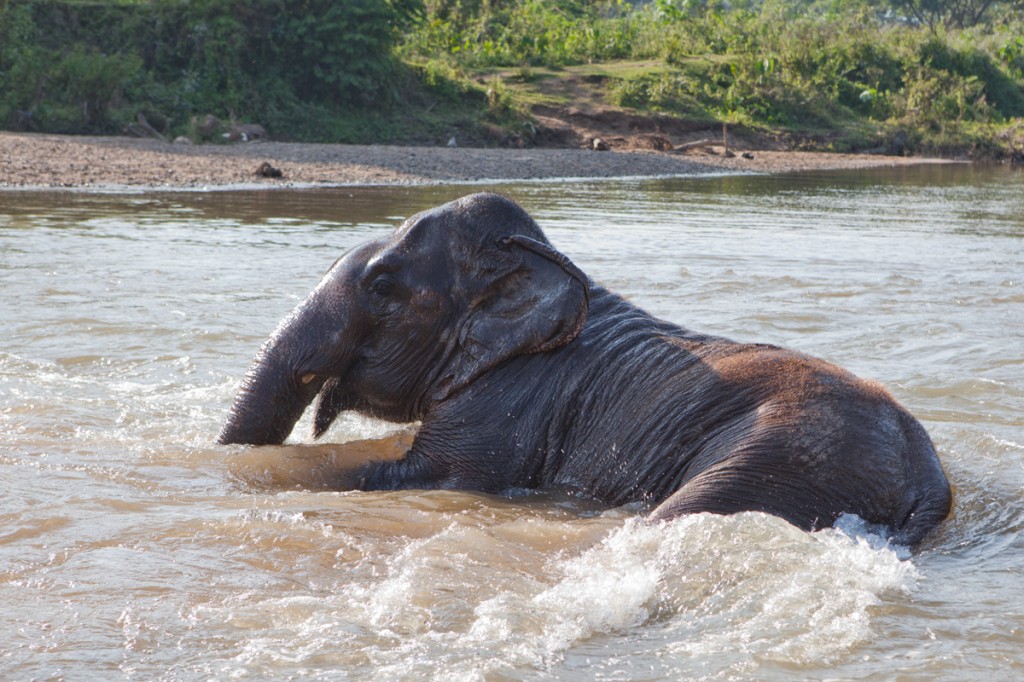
133,547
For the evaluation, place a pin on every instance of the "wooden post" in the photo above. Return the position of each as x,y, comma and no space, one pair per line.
725,139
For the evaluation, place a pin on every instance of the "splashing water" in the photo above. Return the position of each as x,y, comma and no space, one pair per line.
484,597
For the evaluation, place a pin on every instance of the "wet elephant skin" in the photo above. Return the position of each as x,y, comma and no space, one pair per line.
523,373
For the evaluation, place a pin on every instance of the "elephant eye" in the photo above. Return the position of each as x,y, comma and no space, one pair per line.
383,286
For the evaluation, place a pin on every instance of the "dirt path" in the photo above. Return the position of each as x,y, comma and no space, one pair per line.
30,160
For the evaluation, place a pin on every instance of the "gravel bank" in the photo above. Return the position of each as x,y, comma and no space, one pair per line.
30,160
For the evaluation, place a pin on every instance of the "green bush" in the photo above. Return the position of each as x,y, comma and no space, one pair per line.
999,88
88,87
328,70
669,92
520,33
21,66
88,67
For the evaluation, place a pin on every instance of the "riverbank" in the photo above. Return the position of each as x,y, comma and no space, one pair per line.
59,161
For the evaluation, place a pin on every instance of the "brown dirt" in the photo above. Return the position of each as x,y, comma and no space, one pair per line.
33,160
576,114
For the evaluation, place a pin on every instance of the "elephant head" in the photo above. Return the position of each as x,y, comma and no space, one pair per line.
401,323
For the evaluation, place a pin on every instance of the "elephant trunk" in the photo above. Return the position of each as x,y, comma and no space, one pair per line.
268,404
287,373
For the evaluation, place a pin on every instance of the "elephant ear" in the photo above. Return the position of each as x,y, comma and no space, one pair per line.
537,305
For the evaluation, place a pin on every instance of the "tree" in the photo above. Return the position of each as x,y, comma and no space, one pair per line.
955,14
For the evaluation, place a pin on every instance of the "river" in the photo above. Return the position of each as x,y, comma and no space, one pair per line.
133,547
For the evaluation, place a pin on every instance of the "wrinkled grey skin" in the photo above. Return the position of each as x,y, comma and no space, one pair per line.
525,374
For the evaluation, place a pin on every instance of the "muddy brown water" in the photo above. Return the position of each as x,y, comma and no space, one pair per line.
131,547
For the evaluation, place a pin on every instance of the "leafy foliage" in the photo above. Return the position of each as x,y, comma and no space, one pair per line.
928,74
851,69
955,14
531,32
76,67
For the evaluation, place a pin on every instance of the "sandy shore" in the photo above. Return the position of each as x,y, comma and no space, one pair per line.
30,160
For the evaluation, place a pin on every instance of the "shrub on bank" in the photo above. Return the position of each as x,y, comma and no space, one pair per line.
853,74
848,71
92,67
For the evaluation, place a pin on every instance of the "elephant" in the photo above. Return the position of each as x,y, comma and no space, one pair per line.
522,373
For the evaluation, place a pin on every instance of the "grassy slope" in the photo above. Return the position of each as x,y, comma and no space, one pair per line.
535,105
823,76
571,105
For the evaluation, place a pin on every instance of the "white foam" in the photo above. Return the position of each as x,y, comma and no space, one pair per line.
720,584
478,596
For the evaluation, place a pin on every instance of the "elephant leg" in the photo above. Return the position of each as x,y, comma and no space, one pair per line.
316,467
807,506
729,490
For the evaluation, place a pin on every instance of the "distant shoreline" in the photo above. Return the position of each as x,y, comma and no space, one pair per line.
47,161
